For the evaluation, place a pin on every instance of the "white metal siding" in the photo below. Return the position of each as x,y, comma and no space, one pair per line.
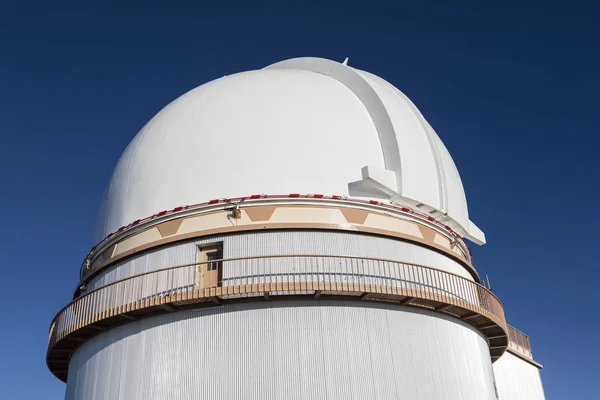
517,379
296,349
283,242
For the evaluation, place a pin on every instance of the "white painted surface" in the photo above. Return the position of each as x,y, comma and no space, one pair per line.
290,128
282,242
517,379
286,350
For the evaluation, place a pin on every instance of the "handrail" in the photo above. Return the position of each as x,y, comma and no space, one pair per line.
519,338
276,256
458,286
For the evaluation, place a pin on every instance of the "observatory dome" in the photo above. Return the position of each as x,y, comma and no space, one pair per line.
305,125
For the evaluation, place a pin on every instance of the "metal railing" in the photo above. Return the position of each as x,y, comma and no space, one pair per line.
519,338
277,275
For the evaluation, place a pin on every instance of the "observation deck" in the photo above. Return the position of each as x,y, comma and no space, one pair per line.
265,279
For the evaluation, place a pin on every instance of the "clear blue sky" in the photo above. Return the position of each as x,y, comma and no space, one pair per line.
511,89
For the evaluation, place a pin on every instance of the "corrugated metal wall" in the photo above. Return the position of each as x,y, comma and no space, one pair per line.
517,379
283,242
296,349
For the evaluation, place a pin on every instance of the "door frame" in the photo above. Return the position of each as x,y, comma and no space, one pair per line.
202,269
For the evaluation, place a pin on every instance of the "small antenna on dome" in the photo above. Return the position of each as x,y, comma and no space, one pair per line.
345,61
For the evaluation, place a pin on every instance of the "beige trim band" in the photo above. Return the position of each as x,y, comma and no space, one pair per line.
281,216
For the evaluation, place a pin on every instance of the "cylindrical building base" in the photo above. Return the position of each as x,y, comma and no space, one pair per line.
286,349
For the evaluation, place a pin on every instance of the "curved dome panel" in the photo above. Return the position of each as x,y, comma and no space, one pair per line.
266,131
305,125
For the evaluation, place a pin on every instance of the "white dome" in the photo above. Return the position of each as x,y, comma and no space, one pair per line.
305,125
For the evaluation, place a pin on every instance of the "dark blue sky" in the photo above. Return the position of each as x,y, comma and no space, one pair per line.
512,90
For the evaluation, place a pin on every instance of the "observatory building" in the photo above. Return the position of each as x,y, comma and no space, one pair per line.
294,232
